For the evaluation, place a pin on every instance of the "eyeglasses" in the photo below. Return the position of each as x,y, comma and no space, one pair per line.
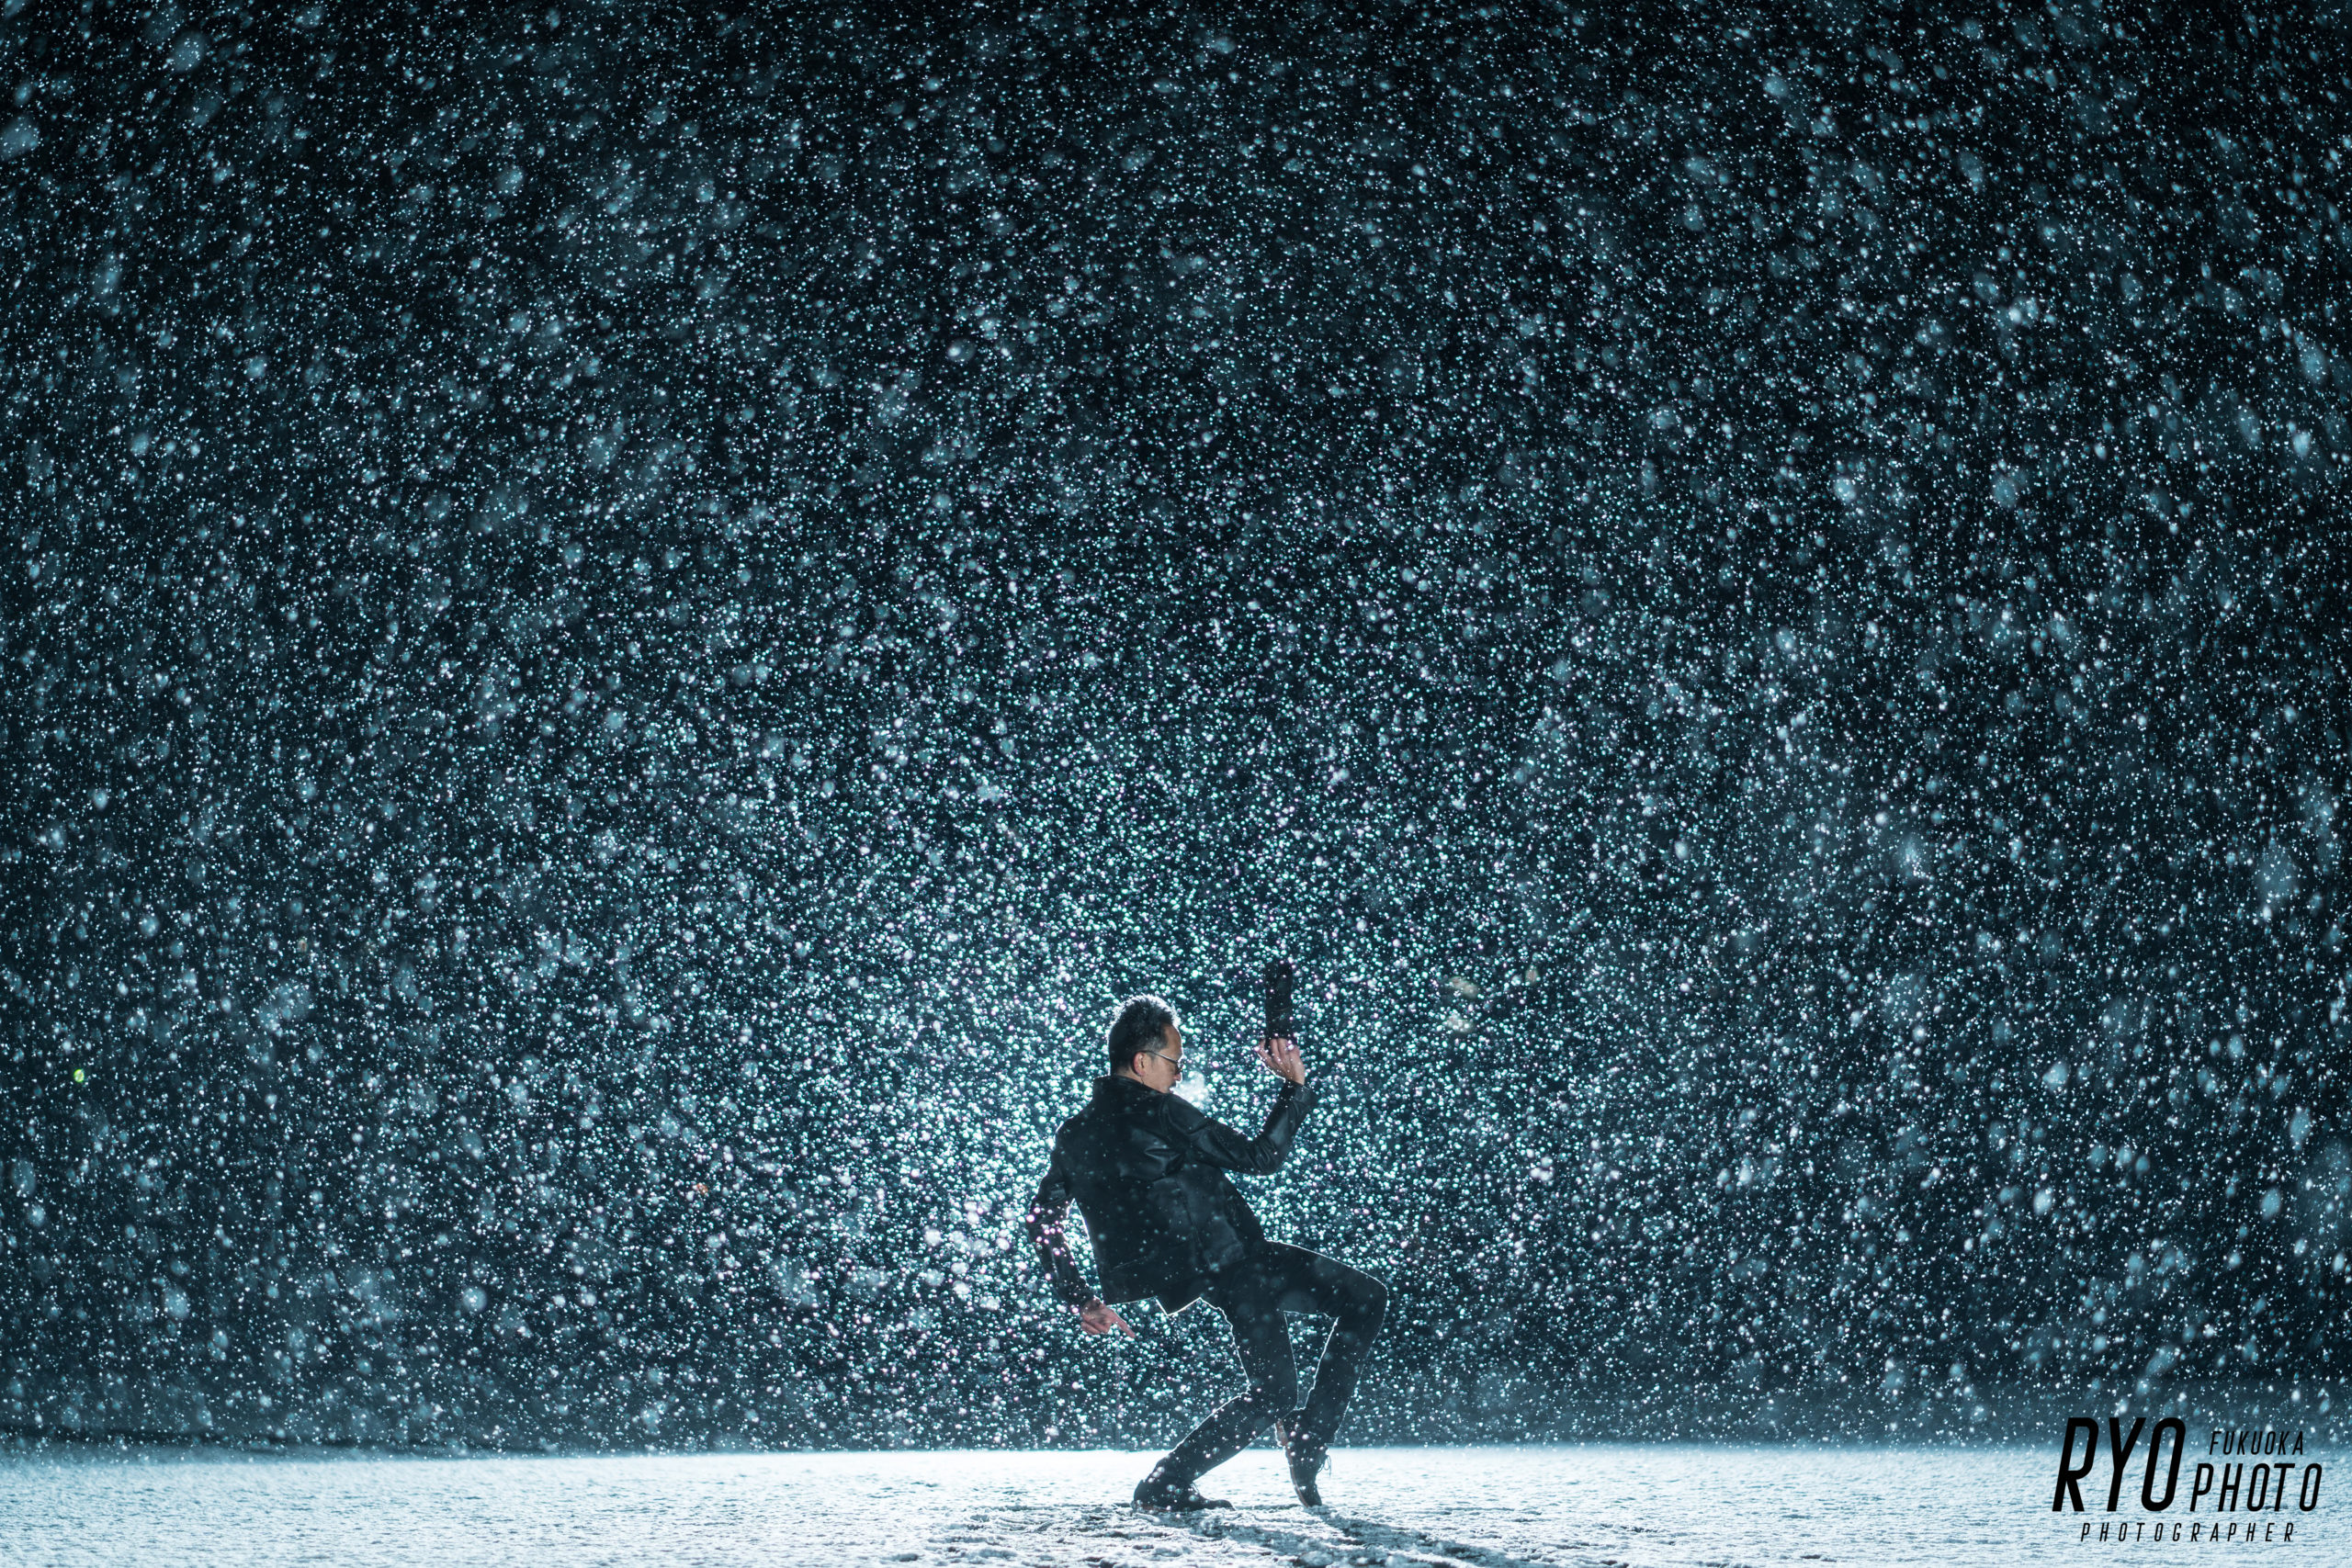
1176,1061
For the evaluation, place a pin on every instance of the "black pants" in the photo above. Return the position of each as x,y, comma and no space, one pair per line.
1253,1295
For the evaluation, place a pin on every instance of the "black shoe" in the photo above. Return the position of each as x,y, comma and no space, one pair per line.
1307,1455
1157,1493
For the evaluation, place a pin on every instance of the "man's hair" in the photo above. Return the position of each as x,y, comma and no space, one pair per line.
1142,1025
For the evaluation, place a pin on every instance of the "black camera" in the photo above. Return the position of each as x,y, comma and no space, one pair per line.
1282,976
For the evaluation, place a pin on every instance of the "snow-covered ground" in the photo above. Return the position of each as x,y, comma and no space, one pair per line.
1487,1508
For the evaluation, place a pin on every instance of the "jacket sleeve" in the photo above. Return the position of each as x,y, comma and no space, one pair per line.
1047,1213
1212,1141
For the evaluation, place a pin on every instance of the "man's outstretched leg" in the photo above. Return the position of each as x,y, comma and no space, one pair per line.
1254,1297
1250,1299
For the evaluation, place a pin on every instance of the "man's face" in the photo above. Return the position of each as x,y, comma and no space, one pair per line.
1160,1069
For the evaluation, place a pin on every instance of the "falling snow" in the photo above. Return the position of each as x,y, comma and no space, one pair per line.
622,633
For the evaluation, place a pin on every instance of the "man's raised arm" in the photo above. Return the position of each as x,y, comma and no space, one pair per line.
1218,1144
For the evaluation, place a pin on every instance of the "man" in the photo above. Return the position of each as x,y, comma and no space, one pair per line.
1149,1172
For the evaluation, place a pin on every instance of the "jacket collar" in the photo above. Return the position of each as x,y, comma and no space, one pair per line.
1113,1087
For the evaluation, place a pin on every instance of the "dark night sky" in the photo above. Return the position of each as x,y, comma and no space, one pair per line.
621,632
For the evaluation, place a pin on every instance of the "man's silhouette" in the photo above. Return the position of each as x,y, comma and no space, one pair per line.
1149,1172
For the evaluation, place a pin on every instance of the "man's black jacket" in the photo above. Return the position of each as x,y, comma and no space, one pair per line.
1148,1171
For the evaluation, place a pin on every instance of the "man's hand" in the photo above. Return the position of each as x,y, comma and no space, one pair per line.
1281,1058
1100,1318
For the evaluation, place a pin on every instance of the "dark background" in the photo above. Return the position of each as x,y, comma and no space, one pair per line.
622,630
